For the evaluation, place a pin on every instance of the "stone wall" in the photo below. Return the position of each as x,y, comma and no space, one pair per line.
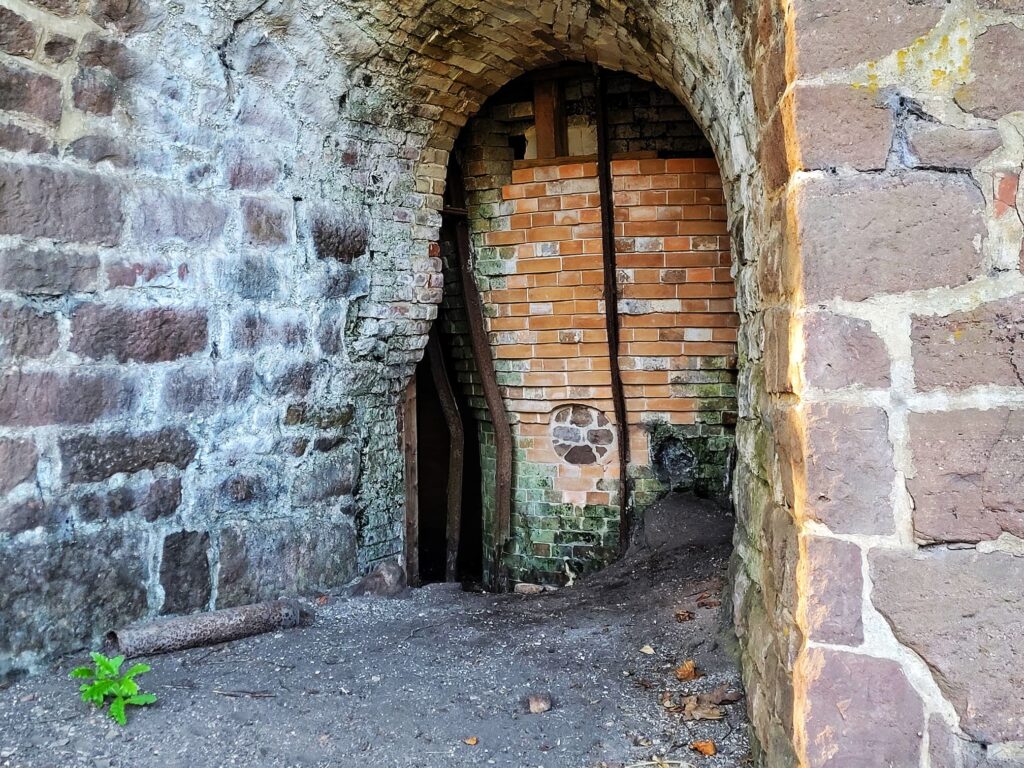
217,276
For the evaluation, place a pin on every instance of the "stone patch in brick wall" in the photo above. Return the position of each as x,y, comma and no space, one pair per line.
581,434
185,572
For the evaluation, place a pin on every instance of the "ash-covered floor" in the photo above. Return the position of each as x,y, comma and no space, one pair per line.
439,678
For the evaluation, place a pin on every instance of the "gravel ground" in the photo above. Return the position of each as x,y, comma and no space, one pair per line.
408,681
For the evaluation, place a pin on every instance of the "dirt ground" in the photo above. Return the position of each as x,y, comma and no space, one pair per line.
406,682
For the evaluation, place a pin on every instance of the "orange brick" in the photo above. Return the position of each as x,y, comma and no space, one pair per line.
540,265
522,175
701,227
552,293
666,181
548,234
513,191
513,351
651,228
652,165
583,262
546,173
505,238
679,165
576,200
549,203
526,205
569,278
542,219
625,167
706,165
682,196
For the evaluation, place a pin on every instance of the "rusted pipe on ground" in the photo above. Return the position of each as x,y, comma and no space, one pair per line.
208,628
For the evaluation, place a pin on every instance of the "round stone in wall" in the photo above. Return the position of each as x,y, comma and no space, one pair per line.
581,434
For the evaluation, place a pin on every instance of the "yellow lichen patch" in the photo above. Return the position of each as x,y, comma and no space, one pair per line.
939,61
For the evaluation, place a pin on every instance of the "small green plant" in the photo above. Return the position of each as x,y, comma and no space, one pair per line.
106,681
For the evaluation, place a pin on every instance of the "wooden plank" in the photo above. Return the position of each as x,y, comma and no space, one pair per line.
412,484
611,303
503,446
549,119
456,453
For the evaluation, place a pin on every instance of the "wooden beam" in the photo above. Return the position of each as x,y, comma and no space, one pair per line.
412,484
456,452
549,119
611,307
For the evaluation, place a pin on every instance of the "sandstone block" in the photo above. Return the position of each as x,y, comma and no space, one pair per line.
39,398
100,149
968,474
18,139
998,85
30,93
48,590
326,476
185,572
838,34
849,466
838,125
836,590
26,333
943,146
163,216
266,222
842,352
338,235
261,560
91,458
28,514
147,335
860,711
57,48
94,90
866,236
959,610
977,347
207,390
18,460
18,35
253,329
47,272
151,502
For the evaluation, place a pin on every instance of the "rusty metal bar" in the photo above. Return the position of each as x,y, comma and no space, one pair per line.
410,445
456,452
611,306
503,444
208,628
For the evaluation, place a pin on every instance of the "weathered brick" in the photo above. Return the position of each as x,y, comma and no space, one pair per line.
338,235
25,332
254,329
206,390
838,125
849,466
91,458
968,473
837,34
266,222
58,48
842,352
48,590
144,335
836,586
860,236
31,399
998,85
858,708
943,146
959,611
17,139
162,216
59,204
260,560
94,90
47,272
185,572
18,35
973,348
252,276
18,460
28,92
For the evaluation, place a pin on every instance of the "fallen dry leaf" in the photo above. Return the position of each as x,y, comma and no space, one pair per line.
472,741
688,671
682,616
648,650
706,748
708,601
539,703
693,708
721,695
322,599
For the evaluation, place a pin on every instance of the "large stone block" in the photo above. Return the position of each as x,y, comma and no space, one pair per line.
943,146
838,34
47,272
997,87
162,216
206,390
968,474
94,90
150,501
18,35
871,235
27,514
261,560
859,711
18,139
61,595
978,347
185,572
144,335
68,206
30,93
960,611
326,476
18,460
26,333
842,352
266,222
91,458
838,125
849,468
34,399
833,575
